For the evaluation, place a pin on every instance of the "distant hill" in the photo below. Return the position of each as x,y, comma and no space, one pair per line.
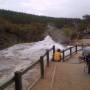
17,27
18,17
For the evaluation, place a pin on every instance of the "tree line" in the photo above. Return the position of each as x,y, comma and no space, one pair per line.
16,27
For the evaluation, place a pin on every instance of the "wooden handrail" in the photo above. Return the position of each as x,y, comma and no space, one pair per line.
22,72
30,67
7,83
14,78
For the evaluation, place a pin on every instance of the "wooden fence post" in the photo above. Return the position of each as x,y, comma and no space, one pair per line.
70,51
18,80
76,48
63,56
82,46
53,52
42,67
48,58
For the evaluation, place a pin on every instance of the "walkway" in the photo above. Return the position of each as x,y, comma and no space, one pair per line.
69,75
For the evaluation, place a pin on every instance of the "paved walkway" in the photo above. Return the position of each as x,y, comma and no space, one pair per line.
69,75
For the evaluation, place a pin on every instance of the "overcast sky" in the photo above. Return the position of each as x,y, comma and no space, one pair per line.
53,8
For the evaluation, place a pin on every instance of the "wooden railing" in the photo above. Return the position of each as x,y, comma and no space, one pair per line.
17,78
70,51
83,44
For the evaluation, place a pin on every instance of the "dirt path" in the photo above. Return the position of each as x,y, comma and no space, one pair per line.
69,75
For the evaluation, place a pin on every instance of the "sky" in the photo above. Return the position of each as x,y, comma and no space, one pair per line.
53,8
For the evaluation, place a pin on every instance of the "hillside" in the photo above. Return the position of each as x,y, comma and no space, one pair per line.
17,27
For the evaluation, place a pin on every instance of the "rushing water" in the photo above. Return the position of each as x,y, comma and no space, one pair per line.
22,55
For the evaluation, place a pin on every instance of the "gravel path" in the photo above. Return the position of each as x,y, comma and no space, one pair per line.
69,75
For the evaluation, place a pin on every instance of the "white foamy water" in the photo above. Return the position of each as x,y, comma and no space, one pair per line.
21,55
29,50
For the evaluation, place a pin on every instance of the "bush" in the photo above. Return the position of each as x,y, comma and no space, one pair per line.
70,32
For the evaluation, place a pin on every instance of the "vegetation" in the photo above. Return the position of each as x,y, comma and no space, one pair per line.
16,27
12,33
